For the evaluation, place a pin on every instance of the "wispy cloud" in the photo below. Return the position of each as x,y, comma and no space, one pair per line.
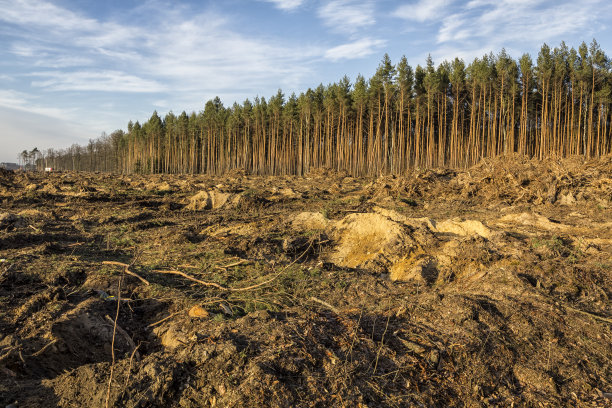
190,54
22,101
423,10
286,5
40,13
453,28
348,16
104,81
527,22
9,97
182,51
356,49
481,26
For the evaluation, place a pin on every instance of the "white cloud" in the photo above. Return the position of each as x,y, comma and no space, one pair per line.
9,97
498,24
105,81
356,49
347,16
24,102
286,5
452,29
178,60
202,54
186,51
40,13
423,10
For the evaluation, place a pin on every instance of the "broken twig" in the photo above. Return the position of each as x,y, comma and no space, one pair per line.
112,369
240,262
165,318
124,334
42,350
126,269
594,316
324,303
191,278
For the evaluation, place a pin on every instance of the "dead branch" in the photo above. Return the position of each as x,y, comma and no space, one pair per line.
276,275
165,318
127,379
240,262
212,284
594,316
110,379
8,353
42,350
34,228
126,269
324,303
191,278
124,334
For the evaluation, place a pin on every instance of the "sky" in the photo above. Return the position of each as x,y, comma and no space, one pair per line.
73,69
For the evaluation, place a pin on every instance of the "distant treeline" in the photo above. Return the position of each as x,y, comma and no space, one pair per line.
401,118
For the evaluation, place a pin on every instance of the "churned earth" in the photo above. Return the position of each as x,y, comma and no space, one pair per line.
481,287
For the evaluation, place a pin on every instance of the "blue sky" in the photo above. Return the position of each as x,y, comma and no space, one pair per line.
72,69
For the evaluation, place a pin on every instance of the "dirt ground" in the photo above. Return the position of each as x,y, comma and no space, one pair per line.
488,287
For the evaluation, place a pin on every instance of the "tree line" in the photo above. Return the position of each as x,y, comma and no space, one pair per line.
401,118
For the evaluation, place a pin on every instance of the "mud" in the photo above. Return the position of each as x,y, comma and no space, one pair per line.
485,287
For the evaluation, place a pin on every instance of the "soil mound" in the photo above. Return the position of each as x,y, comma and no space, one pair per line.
213,199
311,221
463,228
368,240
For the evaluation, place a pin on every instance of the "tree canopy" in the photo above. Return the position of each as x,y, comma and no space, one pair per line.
402,118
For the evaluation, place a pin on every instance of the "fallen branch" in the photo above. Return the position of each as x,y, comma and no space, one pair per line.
124,334
126,269
324,303
110,379
8,353
34,228
275,276
165,318
42,350
127,379
594,316
191,278
240,262
212,284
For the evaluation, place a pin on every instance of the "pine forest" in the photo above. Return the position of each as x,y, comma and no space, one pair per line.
402,118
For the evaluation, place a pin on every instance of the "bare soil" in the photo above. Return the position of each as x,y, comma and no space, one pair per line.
484,287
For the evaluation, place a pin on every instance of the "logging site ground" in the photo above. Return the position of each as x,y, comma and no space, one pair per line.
483,287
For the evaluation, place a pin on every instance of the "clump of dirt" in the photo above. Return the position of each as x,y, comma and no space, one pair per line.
368,239
206,200
480,287
310,221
